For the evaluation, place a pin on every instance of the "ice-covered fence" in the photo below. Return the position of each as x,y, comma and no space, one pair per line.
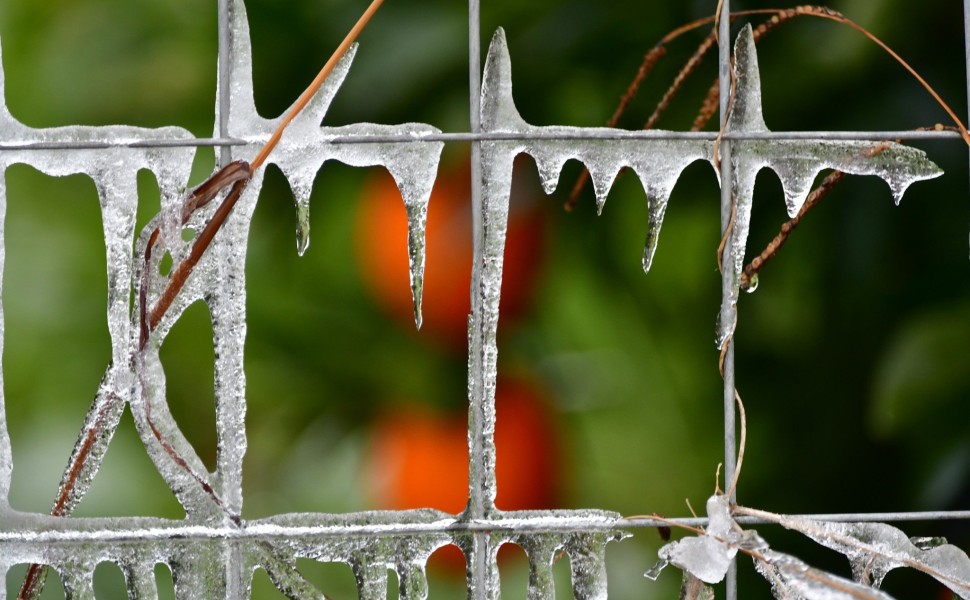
213,552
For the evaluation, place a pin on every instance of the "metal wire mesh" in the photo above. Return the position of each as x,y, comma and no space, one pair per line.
477,523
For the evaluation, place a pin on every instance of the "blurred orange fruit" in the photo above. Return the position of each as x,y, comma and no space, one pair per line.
418,458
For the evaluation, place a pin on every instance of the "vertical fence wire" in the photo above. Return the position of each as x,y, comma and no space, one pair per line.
728,310
224,84
966,43
237,583
478,504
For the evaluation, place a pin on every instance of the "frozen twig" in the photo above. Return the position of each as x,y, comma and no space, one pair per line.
84,460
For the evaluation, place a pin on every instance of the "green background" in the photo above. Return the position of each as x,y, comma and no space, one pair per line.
851,355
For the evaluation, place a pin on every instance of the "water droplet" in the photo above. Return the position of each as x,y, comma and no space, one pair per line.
752,284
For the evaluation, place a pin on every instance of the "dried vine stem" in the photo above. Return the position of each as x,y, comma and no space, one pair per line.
234,176
750,272
709,105
651,58
238,174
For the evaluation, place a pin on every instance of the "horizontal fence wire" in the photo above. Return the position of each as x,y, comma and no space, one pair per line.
650,134
255,530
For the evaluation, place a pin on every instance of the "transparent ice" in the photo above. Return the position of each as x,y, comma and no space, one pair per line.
213,552
792,579
797,163
657,163
708,557
874,549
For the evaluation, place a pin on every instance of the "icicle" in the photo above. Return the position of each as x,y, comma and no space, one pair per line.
792,578
302,226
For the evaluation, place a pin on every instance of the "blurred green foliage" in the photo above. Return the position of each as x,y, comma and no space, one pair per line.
849,354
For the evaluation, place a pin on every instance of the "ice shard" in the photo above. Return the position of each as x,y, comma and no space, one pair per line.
875,549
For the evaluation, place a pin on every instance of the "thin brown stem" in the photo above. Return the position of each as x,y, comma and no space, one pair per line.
710,104
671,522
751,270
236,174
826,13
689,67
742,443
178,458
650,59
33,582
304,98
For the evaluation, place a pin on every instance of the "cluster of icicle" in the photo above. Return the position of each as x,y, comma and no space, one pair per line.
213,552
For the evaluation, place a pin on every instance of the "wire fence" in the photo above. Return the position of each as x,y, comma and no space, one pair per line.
213,553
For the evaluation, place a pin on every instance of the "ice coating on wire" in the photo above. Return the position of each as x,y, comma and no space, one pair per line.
114,170
791,578
498,115
797,163
875,549
657,163
213,552
305,146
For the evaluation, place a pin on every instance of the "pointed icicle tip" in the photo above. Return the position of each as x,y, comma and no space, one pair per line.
417,223
417,312
302,227
746,112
